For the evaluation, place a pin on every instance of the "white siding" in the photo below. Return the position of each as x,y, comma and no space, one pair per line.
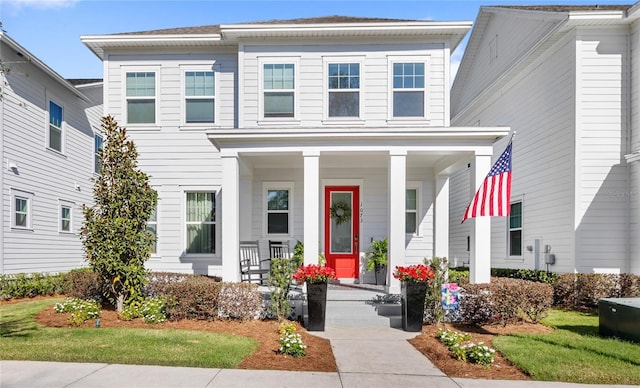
311,83
634,186
458,200
602,206
48,176
538,104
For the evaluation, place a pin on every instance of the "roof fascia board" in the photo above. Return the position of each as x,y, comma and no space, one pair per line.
97,43
41,65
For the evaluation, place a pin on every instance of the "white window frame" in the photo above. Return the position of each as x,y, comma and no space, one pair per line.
15,194
95,153
125,99
208,67
276,60
156,223
391,61
326,90
521,229
55,100
200,189
69,205
417,186
266,187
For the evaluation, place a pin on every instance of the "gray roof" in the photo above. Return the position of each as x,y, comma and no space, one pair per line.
215,29
568,8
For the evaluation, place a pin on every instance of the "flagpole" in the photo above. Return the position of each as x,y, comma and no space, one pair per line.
513,136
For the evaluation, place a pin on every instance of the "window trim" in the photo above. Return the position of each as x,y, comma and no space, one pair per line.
277,60
156,254
521,229
200,189
70,205
54,100
208,67
417,186
125,109
326,90
29,214
391,61
266,187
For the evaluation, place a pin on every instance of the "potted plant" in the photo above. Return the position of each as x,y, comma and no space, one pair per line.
414,281
316,277
377,260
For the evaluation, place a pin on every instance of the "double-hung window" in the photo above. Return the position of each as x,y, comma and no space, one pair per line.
98,143
199,94
56,134
201,222
411,217
66,213
409,89
344,89
279,90
141,97
152,228
21,207
515,229
278,208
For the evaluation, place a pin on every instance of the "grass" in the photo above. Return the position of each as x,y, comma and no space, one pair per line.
24,339
574,352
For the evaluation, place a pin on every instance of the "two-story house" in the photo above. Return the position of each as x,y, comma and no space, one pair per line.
567,80
333,131
49,136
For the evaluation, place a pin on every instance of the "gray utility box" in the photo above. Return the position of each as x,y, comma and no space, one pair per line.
620,317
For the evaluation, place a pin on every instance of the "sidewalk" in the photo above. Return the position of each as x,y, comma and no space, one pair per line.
366,357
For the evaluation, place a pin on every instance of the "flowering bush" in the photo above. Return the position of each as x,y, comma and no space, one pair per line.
314,274
81,310
415,273
290,342
464,350
152,310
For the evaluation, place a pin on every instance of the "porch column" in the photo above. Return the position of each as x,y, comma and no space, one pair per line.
311,206
397,210
480,250
230,220
441,217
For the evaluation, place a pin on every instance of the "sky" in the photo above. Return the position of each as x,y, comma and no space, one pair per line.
51,29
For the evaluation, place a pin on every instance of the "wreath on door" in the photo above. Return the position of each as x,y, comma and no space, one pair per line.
340,212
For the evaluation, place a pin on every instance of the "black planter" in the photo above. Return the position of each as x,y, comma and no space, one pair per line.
317,305
412,300
381,274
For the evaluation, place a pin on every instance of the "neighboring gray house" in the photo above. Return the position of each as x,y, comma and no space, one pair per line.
48,130
258,131
567,79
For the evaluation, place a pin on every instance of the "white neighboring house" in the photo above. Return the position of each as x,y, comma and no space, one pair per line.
47,133
567,80
255,131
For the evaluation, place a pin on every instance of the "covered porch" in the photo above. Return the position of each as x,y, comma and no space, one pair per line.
283,184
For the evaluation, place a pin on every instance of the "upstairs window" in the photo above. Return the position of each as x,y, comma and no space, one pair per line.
98,143
141,97
408,90
515,229
344,90
199,97
55,127
279,90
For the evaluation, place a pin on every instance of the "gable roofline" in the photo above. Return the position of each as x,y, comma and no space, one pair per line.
320,27
30,58
565,18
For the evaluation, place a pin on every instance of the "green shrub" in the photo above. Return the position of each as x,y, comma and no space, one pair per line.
25,285
290,342
460,276
433,300
239,301
195,297
461,347
534,275
280,284
152,310
82,284
81,310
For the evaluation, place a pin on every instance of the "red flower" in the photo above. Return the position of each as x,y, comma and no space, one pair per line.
416,273
314,274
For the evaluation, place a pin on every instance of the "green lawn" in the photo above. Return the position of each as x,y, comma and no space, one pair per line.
574,352
24,339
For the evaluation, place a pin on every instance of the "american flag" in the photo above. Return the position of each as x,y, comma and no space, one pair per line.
493,198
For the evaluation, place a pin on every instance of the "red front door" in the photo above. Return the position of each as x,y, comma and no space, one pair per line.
342,229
